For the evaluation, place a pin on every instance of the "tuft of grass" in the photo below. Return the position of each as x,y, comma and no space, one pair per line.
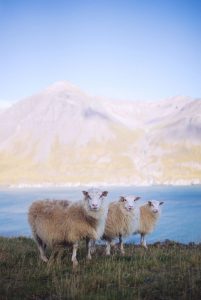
165,271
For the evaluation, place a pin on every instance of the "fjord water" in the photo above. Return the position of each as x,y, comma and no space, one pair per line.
180,219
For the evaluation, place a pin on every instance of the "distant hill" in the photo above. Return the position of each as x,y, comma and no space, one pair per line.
64,136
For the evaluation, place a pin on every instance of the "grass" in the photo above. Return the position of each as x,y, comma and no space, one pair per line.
165,271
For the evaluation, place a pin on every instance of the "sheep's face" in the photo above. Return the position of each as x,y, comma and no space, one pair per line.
129,202
94,197
155,206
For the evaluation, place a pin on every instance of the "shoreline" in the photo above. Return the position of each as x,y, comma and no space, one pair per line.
98,184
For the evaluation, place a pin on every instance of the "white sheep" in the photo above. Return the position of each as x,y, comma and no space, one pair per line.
119,221
65,223
145,219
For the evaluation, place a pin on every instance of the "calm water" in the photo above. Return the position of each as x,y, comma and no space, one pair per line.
180,219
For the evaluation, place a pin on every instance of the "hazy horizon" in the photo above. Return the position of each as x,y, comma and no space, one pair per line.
132,50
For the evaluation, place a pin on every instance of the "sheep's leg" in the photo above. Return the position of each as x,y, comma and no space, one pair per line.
93,246
108,247
113,244
89,247
42,254
121,245
58,253
41,248
90,244
74,258
143,241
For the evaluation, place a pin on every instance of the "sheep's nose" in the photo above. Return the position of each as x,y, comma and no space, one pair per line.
155,210
94,205
130,207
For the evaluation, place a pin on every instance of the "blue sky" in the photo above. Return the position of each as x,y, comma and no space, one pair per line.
140,50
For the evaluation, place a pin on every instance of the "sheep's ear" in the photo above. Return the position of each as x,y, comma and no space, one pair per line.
137,198
150,203
104,194
85,193
161,203
122,199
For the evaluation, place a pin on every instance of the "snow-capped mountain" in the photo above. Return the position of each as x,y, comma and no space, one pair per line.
63,135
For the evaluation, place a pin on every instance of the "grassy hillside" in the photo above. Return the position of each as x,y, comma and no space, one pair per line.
164,271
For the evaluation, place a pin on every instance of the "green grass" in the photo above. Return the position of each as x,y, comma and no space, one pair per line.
165,271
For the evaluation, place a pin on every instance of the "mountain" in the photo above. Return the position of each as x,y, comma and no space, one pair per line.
64,136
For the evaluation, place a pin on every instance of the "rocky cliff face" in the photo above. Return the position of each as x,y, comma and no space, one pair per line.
63,135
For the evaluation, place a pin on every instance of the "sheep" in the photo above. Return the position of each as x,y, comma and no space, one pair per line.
119,221
55,223
52,203
145,219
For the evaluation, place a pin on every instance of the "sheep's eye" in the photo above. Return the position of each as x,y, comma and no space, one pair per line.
122,199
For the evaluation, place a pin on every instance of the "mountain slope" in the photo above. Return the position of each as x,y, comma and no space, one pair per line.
62,135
